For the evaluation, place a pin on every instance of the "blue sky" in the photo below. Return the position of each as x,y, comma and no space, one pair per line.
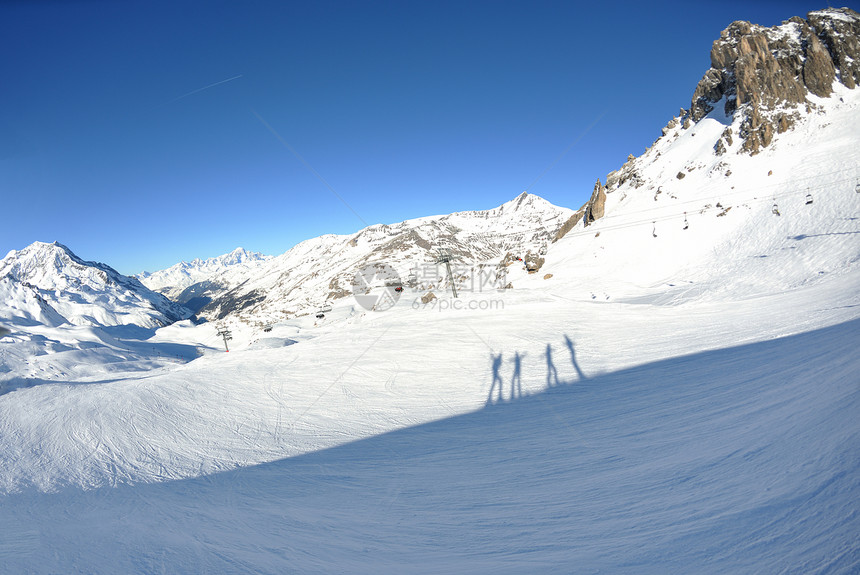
141,134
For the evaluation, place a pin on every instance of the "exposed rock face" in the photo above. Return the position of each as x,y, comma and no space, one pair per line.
596,206
766,73
533,261
839,31
628,170
569,224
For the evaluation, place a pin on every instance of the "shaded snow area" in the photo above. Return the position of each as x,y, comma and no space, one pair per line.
654,399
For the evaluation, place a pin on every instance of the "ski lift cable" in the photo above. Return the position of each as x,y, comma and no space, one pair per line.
732,194
618,222
765,187
658,219
816,176
610,221
621,225
662,218
749,200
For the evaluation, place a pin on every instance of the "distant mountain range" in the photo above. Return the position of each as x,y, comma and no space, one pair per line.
321,270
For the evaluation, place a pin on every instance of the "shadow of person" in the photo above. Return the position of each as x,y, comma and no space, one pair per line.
551,371
497,378
517,379
579,373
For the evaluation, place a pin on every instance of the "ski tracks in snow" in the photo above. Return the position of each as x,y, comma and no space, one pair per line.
274,387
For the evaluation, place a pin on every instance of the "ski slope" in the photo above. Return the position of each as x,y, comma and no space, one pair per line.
680,403
735,459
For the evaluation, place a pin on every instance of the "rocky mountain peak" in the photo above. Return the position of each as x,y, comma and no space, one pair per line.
767,74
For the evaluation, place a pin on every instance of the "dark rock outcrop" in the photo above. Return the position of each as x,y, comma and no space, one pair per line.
533,261
765,73
628,172
839,32
596,205
569,225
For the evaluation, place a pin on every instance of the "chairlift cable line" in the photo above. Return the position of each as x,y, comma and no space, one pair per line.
721,197
678,215
731,194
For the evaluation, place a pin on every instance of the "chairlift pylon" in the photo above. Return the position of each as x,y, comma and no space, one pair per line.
654,229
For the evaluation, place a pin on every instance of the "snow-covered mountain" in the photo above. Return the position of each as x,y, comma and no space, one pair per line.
320,271
47,283
175,279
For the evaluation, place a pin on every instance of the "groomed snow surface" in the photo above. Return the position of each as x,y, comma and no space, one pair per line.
685,403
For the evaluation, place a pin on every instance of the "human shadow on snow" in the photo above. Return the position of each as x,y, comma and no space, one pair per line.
496,394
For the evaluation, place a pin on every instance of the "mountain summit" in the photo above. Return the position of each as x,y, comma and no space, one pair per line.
81,292
771,75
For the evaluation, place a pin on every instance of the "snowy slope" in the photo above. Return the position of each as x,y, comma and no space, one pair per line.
22,304
739,460
734,246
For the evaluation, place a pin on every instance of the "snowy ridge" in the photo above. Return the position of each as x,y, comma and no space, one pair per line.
320,271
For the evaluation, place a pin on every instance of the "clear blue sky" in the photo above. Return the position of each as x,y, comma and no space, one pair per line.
131,131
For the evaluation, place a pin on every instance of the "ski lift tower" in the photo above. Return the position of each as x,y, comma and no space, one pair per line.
445,258
227,335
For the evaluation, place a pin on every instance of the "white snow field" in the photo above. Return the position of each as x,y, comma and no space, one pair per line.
685,403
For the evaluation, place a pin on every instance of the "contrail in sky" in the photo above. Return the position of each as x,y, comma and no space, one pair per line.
204,88
566,150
